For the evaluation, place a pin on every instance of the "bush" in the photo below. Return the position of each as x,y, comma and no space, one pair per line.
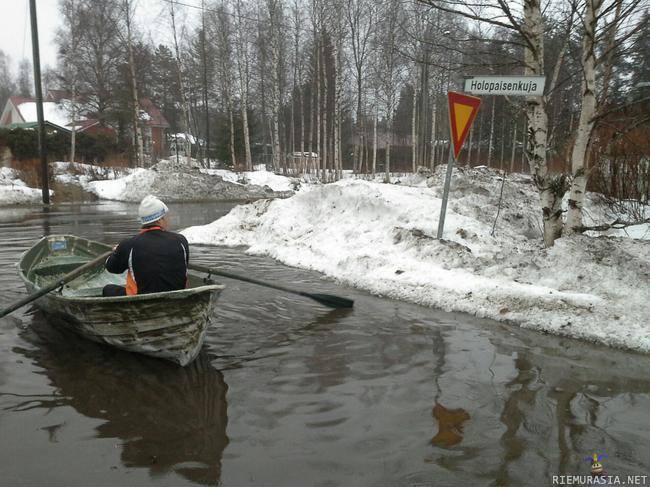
96,147
23,144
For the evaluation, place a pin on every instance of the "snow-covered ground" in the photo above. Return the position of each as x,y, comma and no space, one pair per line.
380,237
14,191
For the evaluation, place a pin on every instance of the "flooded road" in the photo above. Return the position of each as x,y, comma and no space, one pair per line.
288,393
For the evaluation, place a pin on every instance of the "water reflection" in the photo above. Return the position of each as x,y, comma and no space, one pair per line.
450,425
556,398
169,418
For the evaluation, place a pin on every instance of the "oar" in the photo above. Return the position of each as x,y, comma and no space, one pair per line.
325,299
64,280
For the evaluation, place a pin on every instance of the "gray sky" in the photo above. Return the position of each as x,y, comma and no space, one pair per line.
15,34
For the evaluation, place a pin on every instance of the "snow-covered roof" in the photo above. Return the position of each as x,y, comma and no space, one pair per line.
52,112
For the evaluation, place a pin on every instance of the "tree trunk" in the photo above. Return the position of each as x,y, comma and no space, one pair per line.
470,144
243,69
491,143
503,139
579,156
137,131
184,101
317,133
233,157
514,147
302,128
325,160
338,94
434,116
414,137
551,188
479,121
73,130
374,140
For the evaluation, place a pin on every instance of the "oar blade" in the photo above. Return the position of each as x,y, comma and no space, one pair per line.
330,300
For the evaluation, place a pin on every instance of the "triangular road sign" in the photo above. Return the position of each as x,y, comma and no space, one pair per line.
462,112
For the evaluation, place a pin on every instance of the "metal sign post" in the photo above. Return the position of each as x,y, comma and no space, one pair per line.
445,194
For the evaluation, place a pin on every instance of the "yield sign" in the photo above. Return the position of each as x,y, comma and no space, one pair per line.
462,111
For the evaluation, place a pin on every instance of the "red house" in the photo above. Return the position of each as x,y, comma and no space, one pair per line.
57,112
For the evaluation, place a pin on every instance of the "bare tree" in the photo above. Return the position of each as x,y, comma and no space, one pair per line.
361,20
69,40
184,102
220,31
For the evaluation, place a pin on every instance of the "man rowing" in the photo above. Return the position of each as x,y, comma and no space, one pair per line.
156,259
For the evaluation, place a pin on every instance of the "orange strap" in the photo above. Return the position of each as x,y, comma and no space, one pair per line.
148,229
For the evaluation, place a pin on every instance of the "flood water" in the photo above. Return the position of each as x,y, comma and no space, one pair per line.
288,393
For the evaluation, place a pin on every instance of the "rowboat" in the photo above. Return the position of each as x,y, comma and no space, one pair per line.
168,325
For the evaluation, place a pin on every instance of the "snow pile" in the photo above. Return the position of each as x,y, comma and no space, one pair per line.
82,174
259,178
132,187
380,237
13,191
174,182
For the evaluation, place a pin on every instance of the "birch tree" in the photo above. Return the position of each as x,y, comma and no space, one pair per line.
388,70
595,11
243,67
274,12
138,145
361,22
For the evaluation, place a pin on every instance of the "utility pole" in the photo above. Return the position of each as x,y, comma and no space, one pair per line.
39,104
205,87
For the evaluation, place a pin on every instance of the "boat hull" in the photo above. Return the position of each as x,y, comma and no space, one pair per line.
169,325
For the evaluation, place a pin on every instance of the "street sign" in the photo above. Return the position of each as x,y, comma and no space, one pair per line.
462,111
505,85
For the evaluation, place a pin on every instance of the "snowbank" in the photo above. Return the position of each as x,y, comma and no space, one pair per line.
80,174
379,237
174,182
13,191
259,178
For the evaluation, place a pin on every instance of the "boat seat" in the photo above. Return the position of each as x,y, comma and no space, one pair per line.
91,292
62,264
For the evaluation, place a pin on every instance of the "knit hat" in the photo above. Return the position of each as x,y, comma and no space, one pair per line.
151,209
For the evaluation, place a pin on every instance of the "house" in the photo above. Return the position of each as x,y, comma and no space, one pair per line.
21,112
154,126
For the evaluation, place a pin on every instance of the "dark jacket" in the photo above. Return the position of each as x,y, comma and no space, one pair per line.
156,260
